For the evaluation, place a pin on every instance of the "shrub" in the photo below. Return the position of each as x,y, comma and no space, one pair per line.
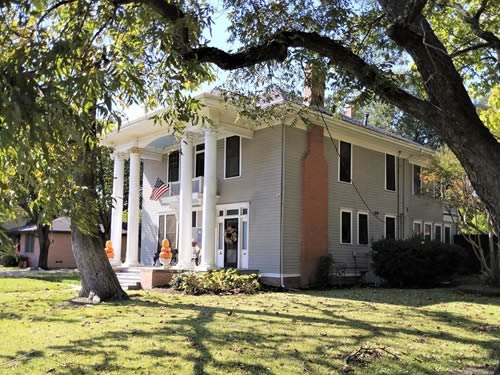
413,263
325,264
22,261
8,261
216,282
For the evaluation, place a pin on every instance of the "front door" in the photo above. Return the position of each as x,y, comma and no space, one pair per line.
231,242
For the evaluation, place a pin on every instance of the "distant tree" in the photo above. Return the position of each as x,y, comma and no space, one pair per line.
389,117
472,217
38,187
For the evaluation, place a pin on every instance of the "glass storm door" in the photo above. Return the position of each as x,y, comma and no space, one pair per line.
231,242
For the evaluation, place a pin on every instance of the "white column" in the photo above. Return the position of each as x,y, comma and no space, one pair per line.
186,204
117,209
132,258
209,201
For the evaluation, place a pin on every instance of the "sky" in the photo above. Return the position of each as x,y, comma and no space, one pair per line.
218,38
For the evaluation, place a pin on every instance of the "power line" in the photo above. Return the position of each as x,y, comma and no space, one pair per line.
352,182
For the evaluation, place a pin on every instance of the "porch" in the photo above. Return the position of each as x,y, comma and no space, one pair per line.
190,205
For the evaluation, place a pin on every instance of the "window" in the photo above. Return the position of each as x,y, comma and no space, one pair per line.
447,234
196,226
428,231
417,179
417,229
167,229
390,172
199,160
244,235
362,228
390,227
346,226
173,166
30,243
232,157
438,233
345,162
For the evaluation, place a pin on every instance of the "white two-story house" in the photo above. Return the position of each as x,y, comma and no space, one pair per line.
271,198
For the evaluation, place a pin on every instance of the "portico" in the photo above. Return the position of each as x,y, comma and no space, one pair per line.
183,202
187,212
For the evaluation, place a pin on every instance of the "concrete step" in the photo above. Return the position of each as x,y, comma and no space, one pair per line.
129,280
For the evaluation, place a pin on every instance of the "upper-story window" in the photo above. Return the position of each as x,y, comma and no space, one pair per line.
345,162
199,160
173,166
232,162
417,179
390,172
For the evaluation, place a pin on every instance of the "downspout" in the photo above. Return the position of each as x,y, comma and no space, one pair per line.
282,215
397,195
404,207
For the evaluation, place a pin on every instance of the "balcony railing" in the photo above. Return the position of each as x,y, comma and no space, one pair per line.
175,187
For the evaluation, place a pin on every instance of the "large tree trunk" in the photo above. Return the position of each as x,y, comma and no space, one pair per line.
456,120
96,273
43,231
95,270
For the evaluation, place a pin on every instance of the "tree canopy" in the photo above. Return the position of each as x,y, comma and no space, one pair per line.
65,62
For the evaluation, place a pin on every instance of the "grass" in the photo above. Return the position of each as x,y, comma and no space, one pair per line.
431,331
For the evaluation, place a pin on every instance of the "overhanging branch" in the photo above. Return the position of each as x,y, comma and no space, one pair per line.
276,49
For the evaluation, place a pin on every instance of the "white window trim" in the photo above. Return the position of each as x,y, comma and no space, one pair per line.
441,226
168,166
367,227
194,161
451,237
241,218
428,223
395,225
349,210
338,163
395,174
241,157
421,227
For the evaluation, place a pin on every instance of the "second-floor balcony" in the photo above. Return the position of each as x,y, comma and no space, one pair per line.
171,197
175,187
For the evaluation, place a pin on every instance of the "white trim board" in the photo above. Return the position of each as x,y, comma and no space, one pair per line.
268,274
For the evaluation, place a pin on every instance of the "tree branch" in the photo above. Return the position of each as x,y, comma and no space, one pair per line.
340,56
473,21
52,8
470,49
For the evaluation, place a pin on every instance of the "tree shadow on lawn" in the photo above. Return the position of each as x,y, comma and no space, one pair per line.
200,343
402,297
492,345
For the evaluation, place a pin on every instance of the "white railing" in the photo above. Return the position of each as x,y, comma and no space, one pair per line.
175,187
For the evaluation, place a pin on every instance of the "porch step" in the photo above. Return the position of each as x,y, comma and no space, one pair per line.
129,280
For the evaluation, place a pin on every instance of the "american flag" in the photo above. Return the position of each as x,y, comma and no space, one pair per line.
159,189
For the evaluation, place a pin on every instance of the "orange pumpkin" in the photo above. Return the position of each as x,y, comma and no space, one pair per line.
109,249
166,251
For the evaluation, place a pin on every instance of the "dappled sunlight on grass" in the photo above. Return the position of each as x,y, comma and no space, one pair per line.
430,331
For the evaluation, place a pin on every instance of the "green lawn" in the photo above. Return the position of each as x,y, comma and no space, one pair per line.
431,331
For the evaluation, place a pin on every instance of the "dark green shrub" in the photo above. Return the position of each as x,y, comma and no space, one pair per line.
413,263
22,261
8,261
216,282
325,264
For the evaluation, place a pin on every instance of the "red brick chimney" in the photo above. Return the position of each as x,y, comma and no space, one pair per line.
314,86
314,242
